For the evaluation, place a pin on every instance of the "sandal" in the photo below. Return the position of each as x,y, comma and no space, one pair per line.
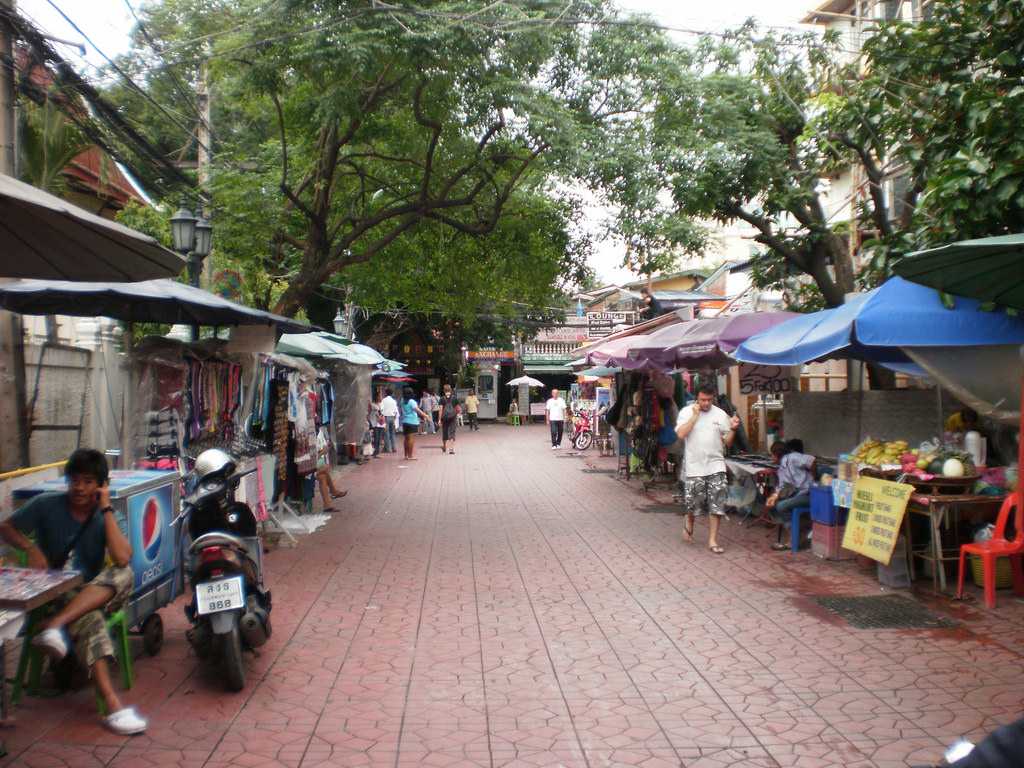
688,532
780,547
339,495
717,550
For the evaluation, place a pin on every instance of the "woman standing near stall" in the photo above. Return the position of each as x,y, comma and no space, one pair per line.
411,415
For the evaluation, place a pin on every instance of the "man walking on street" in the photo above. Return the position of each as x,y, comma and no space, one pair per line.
554,415
707,430
427,424
389,408
472,407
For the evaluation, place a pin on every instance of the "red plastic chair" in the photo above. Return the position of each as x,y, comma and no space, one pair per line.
998,546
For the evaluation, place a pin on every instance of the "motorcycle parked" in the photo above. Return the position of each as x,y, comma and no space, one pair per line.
582,436
230,608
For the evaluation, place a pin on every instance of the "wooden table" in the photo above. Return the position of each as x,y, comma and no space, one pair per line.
23,590
936,507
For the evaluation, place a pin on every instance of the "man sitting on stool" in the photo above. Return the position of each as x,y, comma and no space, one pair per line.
81,521
796,475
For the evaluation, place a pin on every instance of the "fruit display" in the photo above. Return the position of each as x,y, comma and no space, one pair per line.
925,461
878,453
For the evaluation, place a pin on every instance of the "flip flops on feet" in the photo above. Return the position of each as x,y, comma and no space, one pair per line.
688,534
717,549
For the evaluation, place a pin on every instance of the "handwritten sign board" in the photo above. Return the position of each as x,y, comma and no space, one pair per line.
876,515
767,379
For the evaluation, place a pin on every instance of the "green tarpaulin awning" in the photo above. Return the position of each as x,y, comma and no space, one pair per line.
329,346
990,269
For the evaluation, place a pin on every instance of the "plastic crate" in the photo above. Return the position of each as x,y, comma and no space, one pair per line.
823,508
827,542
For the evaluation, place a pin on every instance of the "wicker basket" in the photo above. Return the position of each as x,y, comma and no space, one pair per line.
1004,574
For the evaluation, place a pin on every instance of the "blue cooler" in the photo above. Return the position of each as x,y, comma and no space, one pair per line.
145,503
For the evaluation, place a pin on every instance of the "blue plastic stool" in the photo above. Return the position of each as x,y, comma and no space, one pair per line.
794,526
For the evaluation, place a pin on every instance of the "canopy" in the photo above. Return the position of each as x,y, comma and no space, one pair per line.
329,346
527,381
599,372
705,343
989,269
45,237
149,301
615,353
875,326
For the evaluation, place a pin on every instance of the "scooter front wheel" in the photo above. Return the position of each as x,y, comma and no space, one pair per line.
231,658
584,440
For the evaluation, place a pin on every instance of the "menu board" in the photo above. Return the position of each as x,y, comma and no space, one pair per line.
876,514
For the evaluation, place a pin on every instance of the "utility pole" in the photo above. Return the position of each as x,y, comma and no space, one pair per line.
203,139
13,418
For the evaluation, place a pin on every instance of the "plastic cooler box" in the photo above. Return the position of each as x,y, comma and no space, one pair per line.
145,503
823,508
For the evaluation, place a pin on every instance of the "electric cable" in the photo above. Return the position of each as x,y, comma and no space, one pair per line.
131,83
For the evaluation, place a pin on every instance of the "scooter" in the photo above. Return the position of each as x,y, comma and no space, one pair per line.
582,432
230,608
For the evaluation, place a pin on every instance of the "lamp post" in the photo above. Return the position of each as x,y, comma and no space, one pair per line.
342,326
193,238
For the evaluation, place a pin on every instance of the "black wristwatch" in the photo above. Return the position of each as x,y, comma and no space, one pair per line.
109,509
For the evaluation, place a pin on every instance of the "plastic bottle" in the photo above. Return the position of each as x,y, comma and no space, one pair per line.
974,444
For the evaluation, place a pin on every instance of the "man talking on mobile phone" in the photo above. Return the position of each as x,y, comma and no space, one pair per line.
80,525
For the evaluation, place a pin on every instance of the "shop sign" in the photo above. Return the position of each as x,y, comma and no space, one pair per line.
875,518
491,355
767,379
563,333
601,324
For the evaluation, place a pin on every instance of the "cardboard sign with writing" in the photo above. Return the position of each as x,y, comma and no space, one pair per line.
767,379
876,515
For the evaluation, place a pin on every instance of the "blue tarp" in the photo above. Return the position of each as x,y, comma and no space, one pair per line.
874,327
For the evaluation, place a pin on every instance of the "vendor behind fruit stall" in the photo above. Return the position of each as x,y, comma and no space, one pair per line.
963,420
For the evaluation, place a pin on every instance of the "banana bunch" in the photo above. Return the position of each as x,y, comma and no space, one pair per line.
877,452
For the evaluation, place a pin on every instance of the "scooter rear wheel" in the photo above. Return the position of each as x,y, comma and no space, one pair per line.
231,658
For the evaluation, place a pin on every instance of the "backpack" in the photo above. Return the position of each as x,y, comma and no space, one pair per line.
448,414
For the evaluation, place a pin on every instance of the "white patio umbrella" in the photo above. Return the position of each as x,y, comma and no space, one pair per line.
528,381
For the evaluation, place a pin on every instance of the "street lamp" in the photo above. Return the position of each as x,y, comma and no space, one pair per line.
193,238
341,324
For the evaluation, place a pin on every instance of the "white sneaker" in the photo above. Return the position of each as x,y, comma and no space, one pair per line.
52,641
554,447
126,722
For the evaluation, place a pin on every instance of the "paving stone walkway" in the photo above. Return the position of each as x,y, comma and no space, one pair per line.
501,608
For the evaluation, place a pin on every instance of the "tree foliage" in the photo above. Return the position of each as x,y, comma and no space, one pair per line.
352,135
940,103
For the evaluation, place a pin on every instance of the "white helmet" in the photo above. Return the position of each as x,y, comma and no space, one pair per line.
213,461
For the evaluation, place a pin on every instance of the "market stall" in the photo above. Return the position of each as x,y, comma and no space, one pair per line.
350,368
886,325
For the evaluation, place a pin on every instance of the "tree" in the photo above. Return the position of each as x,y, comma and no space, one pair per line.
354,123
730,135
939,105
47,143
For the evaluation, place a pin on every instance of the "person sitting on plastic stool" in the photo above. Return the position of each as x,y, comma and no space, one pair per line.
82,522
796,475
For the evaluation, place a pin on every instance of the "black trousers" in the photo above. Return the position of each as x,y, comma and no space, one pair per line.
472,422
557,428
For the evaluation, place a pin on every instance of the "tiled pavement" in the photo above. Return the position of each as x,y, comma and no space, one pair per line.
502,608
